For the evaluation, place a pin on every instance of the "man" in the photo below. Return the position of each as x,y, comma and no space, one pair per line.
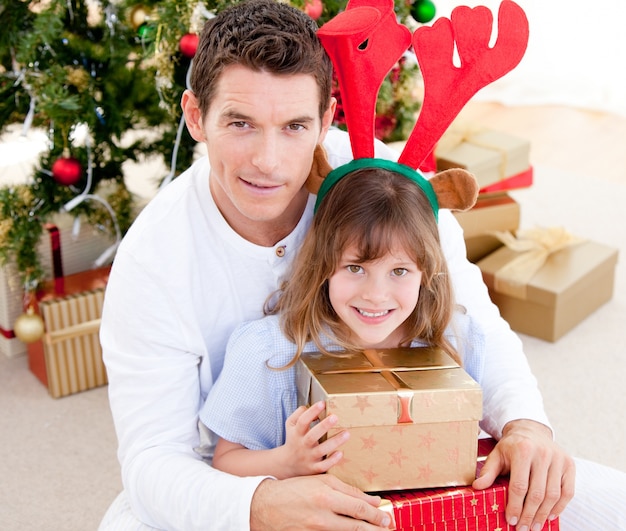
204,255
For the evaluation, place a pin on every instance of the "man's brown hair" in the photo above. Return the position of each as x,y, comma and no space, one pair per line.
265,36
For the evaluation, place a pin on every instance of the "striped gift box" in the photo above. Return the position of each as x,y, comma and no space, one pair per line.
69,354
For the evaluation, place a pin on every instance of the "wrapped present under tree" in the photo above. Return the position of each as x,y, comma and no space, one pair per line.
67,358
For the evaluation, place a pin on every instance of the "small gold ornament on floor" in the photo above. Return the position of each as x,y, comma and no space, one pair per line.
29,326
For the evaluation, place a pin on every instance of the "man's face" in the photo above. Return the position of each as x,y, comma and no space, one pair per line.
261,131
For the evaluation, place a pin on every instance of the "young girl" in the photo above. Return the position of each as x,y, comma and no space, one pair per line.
370,274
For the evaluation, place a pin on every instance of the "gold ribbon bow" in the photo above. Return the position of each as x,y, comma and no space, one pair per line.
534,247
456,134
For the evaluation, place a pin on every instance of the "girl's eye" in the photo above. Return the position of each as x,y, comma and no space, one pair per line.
399,272
354,268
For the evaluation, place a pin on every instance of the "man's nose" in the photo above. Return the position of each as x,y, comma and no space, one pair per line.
266,153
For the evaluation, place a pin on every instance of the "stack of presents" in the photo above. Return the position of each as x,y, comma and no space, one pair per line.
544,281
413,413
68,358
413,417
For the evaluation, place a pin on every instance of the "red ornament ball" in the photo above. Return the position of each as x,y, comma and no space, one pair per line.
314,8
189,44
67,170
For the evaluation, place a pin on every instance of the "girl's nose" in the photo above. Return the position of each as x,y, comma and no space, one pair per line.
375,289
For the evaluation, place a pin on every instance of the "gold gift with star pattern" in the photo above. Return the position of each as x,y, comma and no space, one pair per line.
412,414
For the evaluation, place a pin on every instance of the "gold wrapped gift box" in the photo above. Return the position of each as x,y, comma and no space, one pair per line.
412,415
492,156
570,285
498,212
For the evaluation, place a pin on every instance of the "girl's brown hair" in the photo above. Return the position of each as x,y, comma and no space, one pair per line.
375,210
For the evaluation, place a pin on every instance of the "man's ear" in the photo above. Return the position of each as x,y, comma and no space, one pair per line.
319,170
327,119
456,189
193,115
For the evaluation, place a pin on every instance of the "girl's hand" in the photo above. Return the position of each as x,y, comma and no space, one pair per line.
303,452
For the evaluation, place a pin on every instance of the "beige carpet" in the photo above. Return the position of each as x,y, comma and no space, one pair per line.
59,470
582,374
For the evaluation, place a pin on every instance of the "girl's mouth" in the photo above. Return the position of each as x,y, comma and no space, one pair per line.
365,313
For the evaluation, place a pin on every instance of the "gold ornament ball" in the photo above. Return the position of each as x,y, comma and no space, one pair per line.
138,15
29,327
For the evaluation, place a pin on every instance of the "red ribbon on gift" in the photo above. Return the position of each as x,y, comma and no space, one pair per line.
57,260
8,334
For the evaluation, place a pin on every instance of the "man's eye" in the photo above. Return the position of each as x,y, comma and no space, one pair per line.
239,125
354,268
296,127
399,272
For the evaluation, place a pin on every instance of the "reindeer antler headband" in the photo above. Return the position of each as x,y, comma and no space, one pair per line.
366,40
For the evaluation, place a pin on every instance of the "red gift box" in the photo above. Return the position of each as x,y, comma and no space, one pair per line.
523,179
455,508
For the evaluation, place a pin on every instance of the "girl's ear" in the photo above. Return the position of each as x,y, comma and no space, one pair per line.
319,170
456,189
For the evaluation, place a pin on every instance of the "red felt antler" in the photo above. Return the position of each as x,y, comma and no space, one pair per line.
363,42
448,88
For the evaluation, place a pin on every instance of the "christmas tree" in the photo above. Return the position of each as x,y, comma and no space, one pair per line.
97,76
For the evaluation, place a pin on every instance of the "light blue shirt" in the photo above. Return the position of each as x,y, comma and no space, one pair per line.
250,401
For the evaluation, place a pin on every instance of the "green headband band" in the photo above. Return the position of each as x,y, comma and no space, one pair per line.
334,176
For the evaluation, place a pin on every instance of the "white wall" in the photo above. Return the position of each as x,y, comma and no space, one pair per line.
576,55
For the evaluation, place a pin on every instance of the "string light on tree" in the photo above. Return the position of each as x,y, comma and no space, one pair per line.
423,11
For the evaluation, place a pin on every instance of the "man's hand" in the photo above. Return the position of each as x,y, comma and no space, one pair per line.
314,503
542,475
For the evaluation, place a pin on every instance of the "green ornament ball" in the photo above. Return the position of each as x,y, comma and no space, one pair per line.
146,32
423,11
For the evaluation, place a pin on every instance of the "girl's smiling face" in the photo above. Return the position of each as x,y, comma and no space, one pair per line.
375,298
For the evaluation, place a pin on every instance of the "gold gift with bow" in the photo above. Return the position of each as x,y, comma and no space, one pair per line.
490,155
545,281
412,414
